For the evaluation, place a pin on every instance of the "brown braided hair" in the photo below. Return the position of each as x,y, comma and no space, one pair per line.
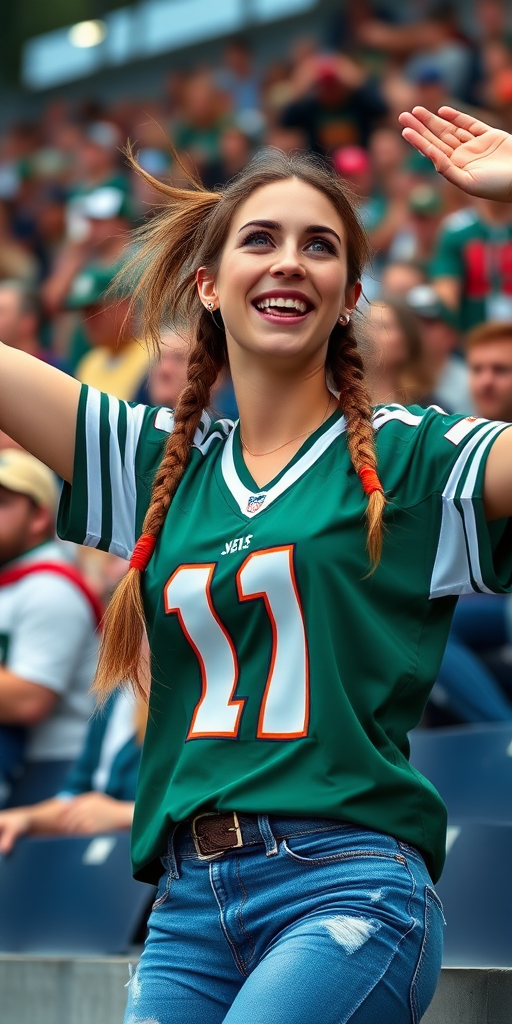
188,233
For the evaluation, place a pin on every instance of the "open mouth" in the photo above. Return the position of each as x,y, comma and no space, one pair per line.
283,308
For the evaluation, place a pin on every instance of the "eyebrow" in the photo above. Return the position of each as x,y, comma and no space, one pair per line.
274,225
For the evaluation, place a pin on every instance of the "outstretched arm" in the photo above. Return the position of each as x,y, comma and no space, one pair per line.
38,408
478,159
467,152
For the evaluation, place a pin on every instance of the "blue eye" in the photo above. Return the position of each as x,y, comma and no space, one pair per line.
324,245
256,238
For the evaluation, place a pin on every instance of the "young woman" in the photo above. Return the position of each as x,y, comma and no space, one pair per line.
299,573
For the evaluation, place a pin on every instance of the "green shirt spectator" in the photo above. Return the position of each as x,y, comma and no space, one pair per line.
472,265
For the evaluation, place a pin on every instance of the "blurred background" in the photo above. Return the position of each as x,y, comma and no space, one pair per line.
78,78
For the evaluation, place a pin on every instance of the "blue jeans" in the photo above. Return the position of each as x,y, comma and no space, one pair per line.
329,926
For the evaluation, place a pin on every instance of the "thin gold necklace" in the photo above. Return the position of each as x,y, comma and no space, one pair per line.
260,455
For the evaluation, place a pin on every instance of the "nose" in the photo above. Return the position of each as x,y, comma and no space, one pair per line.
287,262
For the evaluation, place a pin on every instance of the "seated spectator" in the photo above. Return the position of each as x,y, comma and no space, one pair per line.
168,376
203,117
240,80
235,151
16,261
440,340
48,622
489,359
99,792
117,362
20,318
97,160
335,104
105,218
397,365
471,265
465,686
397,278
416,236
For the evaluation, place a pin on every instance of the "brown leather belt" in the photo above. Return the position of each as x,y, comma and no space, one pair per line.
214,834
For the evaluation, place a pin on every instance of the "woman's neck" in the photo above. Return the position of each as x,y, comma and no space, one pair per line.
276,415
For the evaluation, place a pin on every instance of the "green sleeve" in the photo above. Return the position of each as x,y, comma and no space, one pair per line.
433,466
106,503
447,260
472,554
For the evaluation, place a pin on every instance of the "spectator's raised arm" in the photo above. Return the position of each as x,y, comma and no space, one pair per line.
469,153
38,408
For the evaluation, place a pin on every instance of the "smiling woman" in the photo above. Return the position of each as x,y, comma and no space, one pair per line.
294,640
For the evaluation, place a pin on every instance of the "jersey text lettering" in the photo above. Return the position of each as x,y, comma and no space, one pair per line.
238,544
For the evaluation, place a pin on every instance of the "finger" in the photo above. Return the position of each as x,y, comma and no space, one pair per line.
465,121
410,122
439,128
7,841
423,144
440,160
452,137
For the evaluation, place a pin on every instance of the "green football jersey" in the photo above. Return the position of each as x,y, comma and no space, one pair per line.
479,256
285,677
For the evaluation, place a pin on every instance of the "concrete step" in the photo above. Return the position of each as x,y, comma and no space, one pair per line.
56,990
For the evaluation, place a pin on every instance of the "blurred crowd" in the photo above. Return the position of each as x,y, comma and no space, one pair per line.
437,308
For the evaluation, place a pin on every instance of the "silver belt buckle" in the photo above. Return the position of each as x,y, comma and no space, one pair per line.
197,839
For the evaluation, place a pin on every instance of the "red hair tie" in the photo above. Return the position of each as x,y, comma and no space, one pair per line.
369,480
142,552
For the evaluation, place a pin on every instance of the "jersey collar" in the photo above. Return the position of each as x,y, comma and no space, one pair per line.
237,478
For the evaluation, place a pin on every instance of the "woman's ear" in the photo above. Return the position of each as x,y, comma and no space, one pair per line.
352,295
206,287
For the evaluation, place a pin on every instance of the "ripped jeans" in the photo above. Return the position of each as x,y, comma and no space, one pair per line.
325,926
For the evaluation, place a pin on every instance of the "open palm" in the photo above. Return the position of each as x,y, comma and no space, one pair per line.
467,152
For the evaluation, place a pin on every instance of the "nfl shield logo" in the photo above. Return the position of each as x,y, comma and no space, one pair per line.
255,502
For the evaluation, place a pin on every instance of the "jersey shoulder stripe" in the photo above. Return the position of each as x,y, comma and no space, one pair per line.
118,449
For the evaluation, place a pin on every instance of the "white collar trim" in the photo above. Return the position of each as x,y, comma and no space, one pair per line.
252,502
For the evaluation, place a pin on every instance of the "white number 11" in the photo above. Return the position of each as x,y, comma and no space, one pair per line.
284,710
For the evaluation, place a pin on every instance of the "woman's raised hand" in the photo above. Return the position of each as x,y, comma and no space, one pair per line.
467,152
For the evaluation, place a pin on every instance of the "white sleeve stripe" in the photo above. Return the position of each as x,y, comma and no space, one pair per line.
122,527
123,482
457,558
397,412
469,511
460,464
451,574
93,461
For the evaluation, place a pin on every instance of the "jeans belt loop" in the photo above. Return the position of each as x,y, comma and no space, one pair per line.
210,839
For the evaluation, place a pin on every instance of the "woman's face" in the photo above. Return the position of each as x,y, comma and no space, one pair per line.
387,338
282,279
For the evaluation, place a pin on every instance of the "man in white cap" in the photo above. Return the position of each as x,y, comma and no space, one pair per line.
48,623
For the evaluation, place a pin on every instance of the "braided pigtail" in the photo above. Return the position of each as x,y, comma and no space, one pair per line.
124,626
348,375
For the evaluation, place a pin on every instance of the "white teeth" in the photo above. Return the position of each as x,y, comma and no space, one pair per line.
281,302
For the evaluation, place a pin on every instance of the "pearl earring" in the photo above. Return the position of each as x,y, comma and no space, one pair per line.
211,306
344,319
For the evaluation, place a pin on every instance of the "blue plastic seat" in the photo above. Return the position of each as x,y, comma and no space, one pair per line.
39,781
471,767
476,891
72,895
